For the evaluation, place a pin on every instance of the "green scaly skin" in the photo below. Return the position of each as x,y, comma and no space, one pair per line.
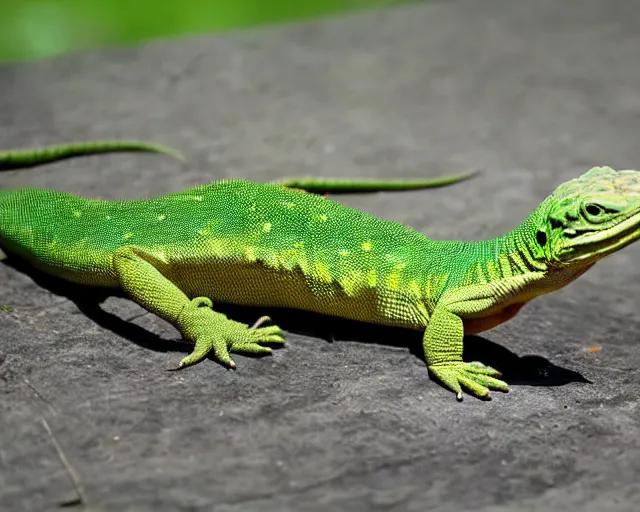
271,245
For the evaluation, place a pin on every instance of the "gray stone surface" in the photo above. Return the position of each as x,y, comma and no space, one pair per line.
531,93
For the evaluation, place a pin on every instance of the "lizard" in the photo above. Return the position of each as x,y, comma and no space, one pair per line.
275,245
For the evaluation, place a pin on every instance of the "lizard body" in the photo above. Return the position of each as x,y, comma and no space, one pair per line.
305,251
270,244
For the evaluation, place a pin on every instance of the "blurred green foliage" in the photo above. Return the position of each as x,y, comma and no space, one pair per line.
38,28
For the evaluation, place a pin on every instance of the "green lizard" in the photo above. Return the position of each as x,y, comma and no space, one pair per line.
271,244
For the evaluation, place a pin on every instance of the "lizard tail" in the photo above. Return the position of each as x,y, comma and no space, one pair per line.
345,186
31,157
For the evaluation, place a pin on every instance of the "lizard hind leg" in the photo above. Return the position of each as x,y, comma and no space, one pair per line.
209,330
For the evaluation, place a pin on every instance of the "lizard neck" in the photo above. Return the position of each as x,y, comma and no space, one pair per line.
521,247
445,265
482,262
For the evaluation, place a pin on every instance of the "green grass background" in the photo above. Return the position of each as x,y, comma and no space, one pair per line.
38,28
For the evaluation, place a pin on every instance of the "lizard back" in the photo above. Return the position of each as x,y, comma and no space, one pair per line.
238,241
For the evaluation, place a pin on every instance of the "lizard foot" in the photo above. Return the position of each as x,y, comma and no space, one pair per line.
213,331
477,378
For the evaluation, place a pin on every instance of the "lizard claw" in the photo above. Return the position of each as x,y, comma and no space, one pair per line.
475,377
260,321
214,332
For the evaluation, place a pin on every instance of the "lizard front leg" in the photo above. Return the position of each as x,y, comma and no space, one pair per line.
443,344
195,319
480,306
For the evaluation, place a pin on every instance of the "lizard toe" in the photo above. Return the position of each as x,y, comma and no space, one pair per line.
476,378
204,345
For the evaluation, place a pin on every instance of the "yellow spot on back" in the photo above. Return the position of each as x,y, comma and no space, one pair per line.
322,218
127,235
266,226
372,278
287,259
161,217
205,230
393,281
77,213
323,272
197,198
298,245
250,253
366,246
303,264
219,247
270,259
400,266
344,253
288,204
352,283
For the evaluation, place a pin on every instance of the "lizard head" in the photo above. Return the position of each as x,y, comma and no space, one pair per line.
590,217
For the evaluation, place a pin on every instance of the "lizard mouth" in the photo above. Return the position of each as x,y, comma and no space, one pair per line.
596,245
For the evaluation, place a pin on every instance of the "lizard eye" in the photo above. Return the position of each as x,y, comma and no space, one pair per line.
593,209
594,212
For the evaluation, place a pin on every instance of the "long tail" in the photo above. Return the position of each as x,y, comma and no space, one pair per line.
31,157
349,185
